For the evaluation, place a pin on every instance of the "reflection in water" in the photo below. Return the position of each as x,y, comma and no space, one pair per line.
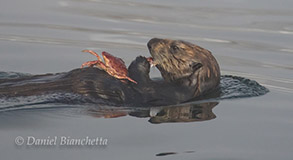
165,114
186,113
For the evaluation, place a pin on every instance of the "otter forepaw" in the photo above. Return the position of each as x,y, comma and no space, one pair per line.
139,69
141,59
141,63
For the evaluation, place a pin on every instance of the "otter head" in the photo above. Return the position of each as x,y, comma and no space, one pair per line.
185,63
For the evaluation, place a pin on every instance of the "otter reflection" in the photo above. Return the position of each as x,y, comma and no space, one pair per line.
164,114
187,113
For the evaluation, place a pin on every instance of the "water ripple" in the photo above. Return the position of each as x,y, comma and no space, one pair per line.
70,42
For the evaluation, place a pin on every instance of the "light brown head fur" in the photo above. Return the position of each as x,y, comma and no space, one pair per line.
185,63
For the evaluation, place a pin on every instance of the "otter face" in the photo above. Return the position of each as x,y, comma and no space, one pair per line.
180,60
175,59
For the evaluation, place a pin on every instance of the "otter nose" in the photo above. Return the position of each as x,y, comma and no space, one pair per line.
153,41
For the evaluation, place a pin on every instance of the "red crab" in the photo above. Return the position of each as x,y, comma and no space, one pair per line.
112,65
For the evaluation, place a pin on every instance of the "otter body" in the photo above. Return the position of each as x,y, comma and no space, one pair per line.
188,72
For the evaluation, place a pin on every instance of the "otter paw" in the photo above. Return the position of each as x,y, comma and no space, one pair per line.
139,69
141,63
141,59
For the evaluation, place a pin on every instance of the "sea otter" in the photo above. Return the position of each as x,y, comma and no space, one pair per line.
188,72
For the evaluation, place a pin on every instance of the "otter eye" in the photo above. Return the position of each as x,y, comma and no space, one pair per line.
175,48
195,66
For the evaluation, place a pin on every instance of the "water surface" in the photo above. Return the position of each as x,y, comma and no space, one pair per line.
251,39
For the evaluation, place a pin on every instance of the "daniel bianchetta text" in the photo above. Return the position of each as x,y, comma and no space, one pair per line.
61,141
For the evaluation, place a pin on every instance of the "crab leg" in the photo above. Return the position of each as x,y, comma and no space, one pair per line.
151,61
131,80
89,63
95,63
98,63
93,53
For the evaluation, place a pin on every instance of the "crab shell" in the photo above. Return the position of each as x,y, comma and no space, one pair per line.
115,64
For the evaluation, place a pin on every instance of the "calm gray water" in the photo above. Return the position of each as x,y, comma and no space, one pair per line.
249,38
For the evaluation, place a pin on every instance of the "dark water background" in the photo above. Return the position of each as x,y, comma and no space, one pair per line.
252,39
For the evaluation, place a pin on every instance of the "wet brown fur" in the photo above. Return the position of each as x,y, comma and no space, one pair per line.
185,63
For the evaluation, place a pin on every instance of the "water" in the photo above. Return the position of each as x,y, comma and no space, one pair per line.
251,39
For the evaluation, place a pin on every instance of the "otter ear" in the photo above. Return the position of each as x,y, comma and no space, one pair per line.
195,66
